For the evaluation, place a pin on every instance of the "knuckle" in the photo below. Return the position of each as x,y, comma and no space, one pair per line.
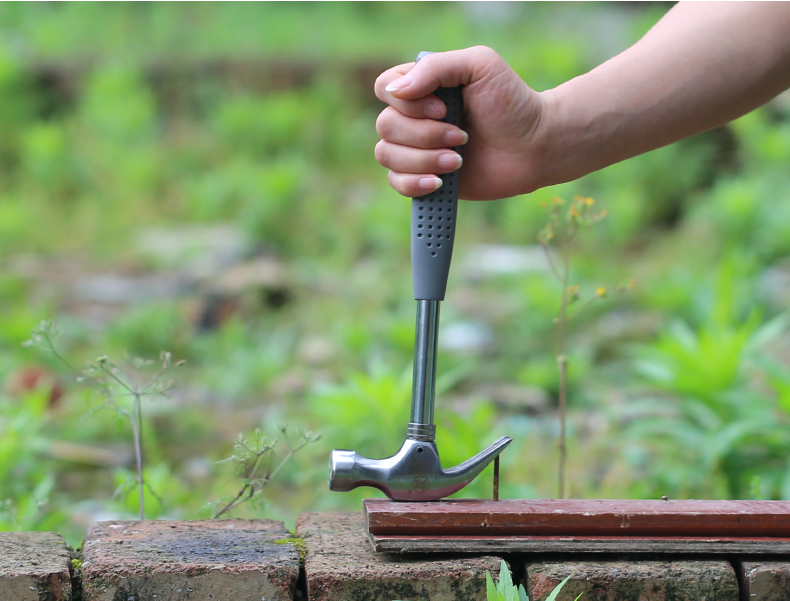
397,183
380,152
381,83
488,57
384,122
483,48
484,51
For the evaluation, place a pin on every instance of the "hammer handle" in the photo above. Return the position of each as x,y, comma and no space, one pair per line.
433,219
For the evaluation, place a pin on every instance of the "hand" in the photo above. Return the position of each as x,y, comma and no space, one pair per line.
502,117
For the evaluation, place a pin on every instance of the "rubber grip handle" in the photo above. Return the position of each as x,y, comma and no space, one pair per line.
433,219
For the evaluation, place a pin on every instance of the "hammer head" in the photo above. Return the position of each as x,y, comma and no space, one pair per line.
412,474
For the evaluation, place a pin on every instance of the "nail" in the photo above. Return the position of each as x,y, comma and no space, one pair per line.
399,83
456,137
450,160
430,183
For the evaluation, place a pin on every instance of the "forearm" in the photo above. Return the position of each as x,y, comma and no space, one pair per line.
702,65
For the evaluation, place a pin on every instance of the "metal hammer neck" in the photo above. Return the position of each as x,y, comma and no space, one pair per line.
421,426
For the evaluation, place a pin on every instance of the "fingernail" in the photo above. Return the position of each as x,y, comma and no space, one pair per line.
399,83
430,183
450,160
434,110
456,137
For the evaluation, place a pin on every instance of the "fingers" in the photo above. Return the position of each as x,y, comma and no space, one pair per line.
412,184
414,145
415,150
447,69
413,170
396,128
429,106
405,159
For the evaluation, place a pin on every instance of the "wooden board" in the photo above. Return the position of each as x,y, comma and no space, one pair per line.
557,544
683,526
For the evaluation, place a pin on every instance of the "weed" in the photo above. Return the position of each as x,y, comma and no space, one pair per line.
562,231
113,381
255,459
705,400
505,590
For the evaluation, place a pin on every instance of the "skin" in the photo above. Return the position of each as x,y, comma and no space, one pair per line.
702,65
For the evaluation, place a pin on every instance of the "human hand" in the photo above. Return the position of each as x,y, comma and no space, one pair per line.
502,117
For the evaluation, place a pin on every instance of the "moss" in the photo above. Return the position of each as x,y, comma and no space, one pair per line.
301,547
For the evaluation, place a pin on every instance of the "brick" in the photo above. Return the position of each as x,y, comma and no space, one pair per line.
681,580
341,565
766,580
34,566
220,560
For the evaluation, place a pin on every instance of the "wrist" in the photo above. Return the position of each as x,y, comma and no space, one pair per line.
552,146
580,131
540,165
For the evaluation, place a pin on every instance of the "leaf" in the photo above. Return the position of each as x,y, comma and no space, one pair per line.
509,593
769,332
522,594
553,595
492,594
505,581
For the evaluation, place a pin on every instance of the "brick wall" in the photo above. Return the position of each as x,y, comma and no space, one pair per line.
332,560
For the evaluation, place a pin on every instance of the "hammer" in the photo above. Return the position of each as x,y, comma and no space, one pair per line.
415,473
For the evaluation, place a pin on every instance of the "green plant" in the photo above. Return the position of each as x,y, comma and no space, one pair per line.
255,460
717,392
561,232
505,590
114,381
27,475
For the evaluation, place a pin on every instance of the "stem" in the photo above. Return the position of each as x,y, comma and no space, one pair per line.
562,363
55,352
137,434
288,455
249,474
234,502
153,380
550,260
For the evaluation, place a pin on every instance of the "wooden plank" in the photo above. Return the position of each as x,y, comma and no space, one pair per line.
578,517
557,544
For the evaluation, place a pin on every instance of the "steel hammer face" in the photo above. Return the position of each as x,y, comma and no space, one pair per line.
414,473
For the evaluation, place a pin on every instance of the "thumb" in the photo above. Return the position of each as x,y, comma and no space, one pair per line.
444,69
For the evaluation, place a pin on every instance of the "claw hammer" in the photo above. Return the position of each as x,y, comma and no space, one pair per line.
415,473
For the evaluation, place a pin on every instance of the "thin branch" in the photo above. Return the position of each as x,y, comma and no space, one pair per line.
138,453
550,259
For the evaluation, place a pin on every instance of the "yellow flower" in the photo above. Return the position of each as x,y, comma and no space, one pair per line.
600,291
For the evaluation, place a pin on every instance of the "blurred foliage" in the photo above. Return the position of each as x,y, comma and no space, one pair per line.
258,119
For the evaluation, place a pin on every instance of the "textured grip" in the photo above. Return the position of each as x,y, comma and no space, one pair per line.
433,219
